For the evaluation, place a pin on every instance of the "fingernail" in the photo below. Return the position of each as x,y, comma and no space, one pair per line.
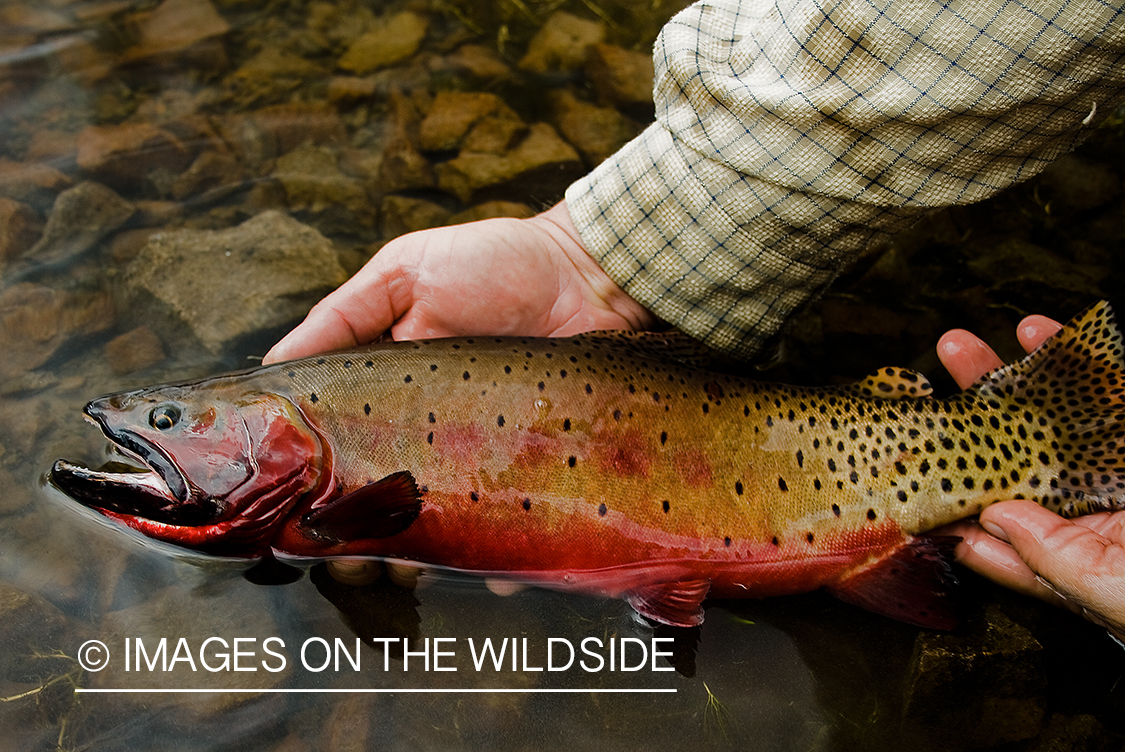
995,530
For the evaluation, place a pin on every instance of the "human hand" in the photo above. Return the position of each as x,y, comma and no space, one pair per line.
1079,563
529,277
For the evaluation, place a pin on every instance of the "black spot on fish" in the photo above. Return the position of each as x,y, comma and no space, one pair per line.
667,505
432,418
367,409
836,509
473,495
902,495
602,509
572,460
527,504
663,438
871,514
292,374
738,487
781,484
800,459
313,397
969,483
566,424
589,389
542,386
775,541
706,408
507,369
500,421
407,379
946,485
809,537
430,437
726,541
465,376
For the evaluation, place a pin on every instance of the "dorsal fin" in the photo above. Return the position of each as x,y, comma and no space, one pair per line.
894,383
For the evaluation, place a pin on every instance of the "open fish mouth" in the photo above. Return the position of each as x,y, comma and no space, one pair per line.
160,492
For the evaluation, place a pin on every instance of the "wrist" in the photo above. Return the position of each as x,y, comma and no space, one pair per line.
605,292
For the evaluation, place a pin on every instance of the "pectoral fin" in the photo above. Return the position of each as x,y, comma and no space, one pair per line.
677,604
915,584
380,509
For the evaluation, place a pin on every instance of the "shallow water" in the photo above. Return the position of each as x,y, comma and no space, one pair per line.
199,117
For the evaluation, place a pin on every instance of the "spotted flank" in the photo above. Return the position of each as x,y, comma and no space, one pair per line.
603,464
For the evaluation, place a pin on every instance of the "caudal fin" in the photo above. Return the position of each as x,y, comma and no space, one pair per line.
1066,404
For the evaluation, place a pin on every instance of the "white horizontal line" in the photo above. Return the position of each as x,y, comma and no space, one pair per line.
501,690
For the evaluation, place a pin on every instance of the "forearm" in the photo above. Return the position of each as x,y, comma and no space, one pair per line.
787,142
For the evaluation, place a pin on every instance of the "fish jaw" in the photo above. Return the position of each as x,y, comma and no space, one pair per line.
221,473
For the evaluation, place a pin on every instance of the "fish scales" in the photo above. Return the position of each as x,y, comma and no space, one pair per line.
598,463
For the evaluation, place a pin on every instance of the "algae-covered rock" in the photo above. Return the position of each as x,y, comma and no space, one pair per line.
392,40
980,686
223,285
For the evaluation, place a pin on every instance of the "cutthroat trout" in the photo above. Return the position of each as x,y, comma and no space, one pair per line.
599,464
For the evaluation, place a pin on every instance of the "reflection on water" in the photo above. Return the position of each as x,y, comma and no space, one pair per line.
180,180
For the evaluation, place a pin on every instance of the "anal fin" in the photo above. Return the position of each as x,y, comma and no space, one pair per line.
379,509
914,584
677,604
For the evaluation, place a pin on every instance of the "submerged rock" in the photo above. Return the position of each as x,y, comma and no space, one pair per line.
177,25
454,113
20,226
35,321
597,132
134,350
124,155
221,286
81,217
391,41
542,163
981,686
561,44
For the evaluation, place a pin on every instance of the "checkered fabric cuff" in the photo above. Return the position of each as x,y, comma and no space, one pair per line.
789,135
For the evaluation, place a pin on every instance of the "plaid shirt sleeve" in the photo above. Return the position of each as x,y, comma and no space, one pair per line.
789,135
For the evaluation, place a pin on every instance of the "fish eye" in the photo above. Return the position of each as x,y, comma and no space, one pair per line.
164,417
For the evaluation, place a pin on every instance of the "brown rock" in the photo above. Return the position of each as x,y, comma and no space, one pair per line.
211,169
20,227
28,17
542,162
81,217
403,168
313,182
36,320
350,89
494,135
453,113
220,286
480,62
596,132
391,41
491,210
123,155
994,666
269,74
48,144
25,181
561,43
176,25
134,351
402,215
621,77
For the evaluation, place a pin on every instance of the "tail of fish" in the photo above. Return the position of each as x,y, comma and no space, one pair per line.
1065,403
1050,428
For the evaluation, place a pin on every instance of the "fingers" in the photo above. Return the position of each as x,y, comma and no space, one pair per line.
1034,330
1085,567
358,312
966,357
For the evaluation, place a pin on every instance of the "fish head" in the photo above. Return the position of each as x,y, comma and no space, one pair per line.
221,465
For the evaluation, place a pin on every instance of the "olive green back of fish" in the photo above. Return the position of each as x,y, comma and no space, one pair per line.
612,421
